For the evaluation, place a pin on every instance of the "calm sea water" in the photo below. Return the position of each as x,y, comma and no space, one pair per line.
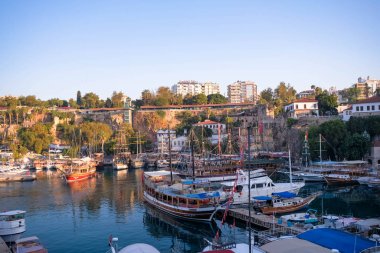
79,217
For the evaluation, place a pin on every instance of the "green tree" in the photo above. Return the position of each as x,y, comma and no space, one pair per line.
91,100
327,103
356,146
216,99
200,99
73,103
163,96
37,138
334,133
117,99
108,103
266,97
94,135
351,94
79,98
147,97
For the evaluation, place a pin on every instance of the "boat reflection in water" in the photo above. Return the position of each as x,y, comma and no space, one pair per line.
185,236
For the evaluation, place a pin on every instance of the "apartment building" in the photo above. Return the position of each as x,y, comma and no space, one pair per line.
194,88
242,91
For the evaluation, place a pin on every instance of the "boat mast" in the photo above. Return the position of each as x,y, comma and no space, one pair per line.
320,150
249,188
290,170
192,155
170,157
219,146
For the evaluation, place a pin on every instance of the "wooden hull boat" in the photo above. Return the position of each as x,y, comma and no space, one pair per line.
280,205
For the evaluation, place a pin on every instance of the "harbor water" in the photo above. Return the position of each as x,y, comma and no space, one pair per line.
80,216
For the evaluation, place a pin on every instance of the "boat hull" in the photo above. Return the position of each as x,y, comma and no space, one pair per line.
120,166
340,181
194,214
79,176
12,237
289,209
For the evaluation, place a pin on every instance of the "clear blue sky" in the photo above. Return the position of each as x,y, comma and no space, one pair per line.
54,48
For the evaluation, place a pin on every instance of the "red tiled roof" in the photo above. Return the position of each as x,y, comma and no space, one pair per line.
374,99
103,109
304,100
206,122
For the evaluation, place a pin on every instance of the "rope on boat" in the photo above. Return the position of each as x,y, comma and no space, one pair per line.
230,200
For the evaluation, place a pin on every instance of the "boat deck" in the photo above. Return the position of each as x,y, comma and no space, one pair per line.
264,221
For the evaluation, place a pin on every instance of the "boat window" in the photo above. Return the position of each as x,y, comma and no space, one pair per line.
239,188
258,185
15,217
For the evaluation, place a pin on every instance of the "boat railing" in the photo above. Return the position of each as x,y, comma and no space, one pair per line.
375,249
220,245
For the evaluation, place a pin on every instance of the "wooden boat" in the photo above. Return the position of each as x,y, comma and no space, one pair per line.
12,225
186,199
80,170
340,179
121,152
215,170
284,203
29,244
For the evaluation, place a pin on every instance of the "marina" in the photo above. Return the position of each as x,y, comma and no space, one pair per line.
112,202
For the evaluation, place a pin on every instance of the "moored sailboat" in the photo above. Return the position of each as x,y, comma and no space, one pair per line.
187,199
283,202
79,170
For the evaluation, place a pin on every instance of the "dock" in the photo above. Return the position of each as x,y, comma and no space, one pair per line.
264,221
4,247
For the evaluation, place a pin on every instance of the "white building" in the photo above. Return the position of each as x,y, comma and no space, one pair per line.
346,114
163,140
218,130
242,91
194,88
179,143
366,107
302,107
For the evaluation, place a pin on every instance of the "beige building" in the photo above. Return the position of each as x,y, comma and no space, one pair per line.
367,87
242,91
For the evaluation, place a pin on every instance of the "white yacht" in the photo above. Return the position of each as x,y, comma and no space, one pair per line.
12,225
261,185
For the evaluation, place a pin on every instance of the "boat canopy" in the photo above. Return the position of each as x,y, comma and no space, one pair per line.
285,195
197,181
337,239
262,198
203,195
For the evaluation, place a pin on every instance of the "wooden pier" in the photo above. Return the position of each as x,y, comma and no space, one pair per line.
264,221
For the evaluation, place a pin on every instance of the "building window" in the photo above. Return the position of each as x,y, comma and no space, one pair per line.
373,108
304,106
357,108
315,106
368,108
296,106
361,108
